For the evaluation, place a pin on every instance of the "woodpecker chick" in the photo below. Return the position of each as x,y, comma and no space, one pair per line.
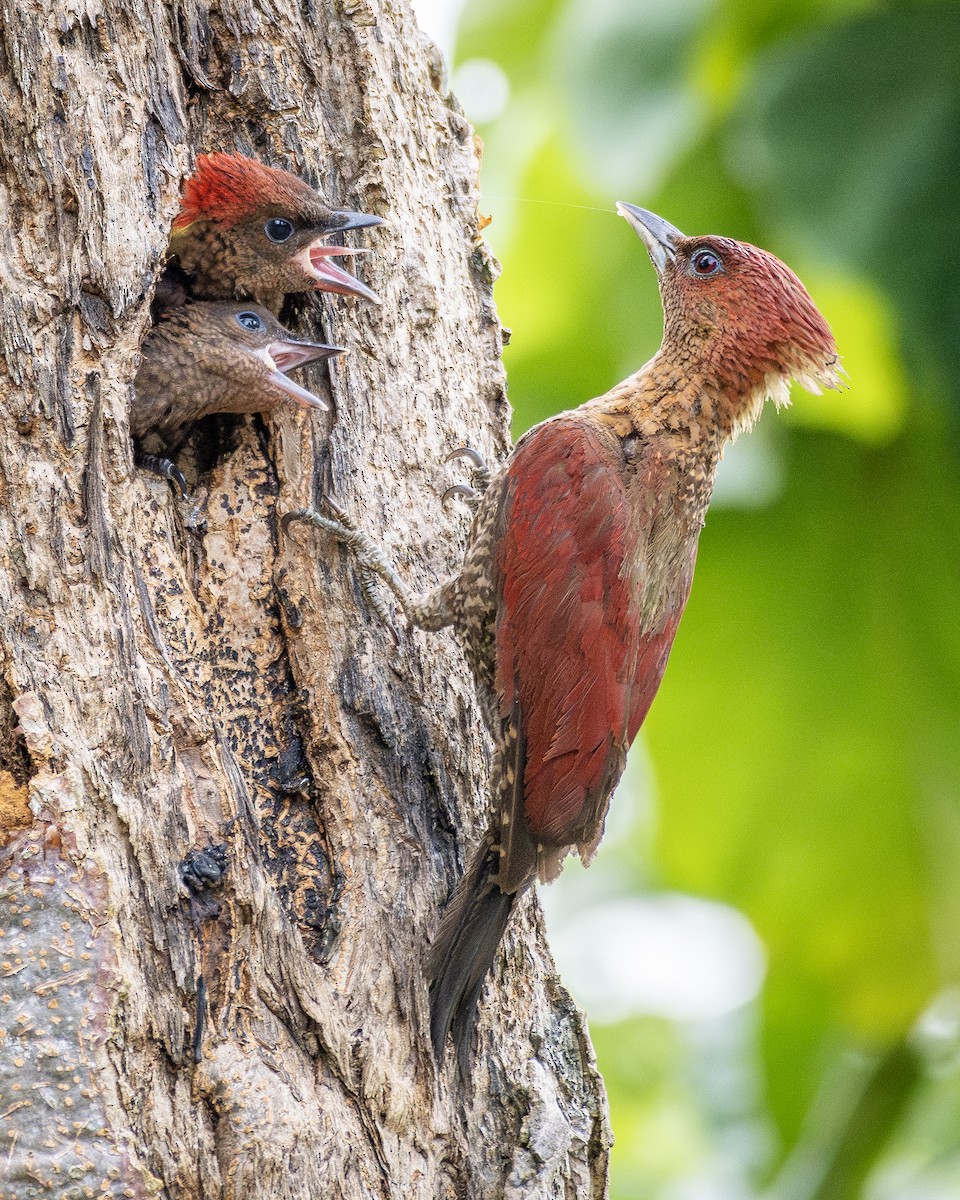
246,230
215,358
578,567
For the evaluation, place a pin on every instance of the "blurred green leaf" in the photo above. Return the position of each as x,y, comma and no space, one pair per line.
629,131
663,1135
579,300
849,137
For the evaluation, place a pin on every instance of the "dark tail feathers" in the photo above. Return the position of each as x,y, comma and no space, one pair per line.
471,929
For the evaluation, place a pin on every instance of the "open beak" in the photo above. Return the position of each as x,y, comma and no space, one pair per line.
658,235
283,355
315,262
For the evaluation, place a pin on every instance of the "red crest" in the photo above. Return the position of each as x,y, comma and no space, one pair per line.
230,187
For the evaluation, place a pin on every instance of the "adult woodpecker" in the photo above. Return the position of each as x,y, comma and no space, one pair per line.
246,230
210,358
578,567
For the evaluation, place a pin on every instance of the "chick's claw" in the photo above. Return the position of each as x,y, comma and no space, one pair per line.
166,469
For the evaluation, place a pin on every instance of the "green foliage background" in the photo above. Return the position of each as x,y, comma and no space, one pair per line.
806,740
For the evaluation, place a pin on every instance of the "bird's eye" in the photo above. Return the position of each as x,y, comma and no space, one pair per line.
249,320
705,262
278,229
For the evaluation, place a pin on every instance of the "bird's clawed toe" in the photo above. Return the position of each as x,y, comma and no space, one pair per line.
371,562
158,465
464,491
474,456
481,477
342,528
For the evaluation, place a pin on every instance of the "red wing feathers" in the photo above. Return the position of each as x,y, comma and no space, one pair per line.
568,633
651,664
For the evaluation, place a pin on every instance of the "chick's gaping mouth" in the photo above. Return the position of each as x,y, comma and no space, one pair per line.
316,262
282,356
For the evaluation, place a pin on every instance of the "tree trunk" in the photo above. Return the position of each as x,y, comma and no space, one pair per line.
177,675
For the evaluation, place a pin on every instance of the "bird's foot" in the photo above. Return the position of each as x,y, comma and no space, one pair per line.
469,495
164,467
481,477
372,563
429,610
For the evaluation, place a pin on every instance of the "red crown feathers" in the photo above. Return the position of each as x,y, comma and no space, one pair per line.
229,187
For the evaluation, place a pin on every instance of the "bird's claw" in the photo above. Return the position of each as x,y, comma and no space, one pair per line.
340,525
371,562
341,514
158,465
474,456
481,476
291,518
464,491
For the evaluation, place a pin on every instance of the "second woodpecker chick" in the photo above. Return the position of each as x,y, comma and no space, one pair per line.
216,358
248,230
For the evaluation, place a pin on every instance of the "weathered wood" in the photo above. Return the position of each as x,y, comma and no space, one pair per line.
176,675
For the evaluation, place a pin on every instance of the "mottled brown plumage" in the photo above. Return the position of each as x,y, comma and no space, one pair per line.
578,568
215,358
246,230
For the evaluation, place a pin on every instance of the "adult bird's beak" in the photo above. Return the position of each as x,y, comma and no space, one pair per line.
285,354
314,260
658,235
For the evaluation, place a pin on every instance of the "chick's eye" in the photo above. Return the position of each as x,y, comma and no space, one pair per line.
705,262
278,229
249,320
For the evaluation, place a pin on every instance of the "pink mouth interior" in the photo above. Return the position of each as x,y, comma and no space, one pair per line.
288,355
335,278
281,381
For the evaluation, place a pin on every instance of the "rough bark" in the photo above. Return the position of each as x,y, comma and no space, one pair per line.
176,675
